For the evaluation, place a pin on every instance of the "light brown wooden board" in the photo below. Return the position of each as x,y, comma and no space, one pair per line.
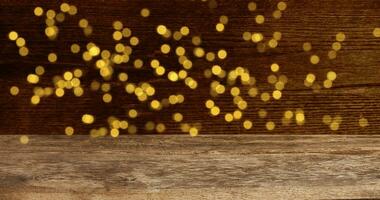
180,167
355,91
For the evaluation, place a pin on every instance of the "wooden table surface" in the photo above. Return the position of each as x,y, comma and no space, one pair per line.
225,161
180,167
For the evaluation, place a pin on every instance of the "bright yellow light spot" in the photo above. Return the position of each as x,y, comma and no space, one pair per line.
336,46
83,23
165,48
138,63
180,51
219,27
331,75
340,37
40,70
51,31
20,42
59,92
65,7
272,43
88,119
257,37
327,83
222,54
235,91
50,14
265,96
117,35
216,69
220,89
376,32
184,30
24,139
132,113
193,131
314,59
228,117
173,76
68,76
259,19
270,125
35,100
32,78
52,57
69,130
23,51
215,111
117,25
107,98
155,104
199,52
277,94
94,51
275,67
237,114
300,117
310,78
209,104
160,127
13,35
145,12
38,11
288,114
161,29
177,117
73,10
247,124
134,41
114,132
160,71
78,91
14,90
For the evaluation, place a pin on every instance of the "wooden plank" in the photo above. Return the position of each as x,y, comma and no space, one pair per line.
205,167
355,92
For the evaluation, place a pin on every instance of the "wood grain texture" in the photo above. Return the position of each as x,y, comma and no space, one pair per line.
355,92
180,167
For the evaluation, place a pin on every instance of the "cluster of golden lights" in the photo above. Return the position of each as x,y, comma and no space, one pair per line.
239,82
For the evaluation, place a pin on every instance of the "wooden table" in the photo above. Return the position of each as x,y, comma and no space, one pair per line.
226,161
205,167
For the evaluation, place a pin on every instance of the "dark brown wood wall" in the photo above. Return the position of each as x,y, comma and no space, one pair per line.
354,94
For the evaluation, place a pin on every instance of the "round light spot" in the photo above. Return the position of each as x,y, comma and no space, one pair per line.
69,130
14,90
88,119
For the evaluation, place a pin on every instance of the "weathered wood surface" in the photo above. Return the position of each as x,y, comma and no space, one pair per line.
180,167
355,91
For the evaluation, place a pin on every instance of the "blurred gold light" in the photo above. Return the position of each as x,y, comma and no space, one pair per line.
88,118
14,90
